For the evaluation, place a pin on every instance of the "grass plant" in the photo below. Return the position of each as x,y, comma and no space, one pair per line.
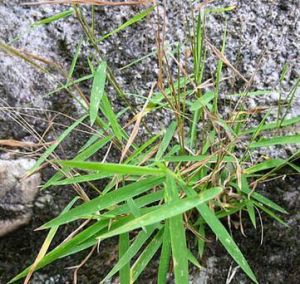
178,183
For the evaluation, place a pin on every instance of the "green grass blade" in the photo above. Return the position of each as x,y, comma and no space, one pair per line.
123,247
203,101
97,91
146,256
107,110
52,148
164,260
177,236
131,252
105,201
166,140
265,165
81,179
86,153
128,23
280,140
201,242
138,152
224,237
92,149
74,61
274,125
270,213
164,212
113,168
192,259
251,212
67,248
53,18
245,188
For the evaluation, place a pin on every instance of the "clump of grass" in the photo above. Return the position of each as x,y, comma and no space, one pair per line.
184,179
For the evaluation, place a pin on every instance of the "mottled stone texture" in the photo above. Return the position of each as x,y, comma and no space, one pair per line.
17,194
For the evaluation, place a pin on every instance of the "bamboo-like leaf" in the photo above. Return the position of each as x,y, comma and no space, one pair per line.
166,140
123,247
74,61
251,212
84,237
107,110
113,168
192,259
97,91
164,260
86,153
177,236
105,201
164,212
81,179
201,242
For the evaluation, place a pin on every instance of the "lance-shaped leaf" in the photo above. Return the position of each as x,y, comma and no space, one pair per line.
105,201
164,212
97,91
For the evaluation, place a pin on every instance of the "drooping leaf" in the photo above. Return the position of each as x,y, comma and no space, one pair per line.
224,237
164,212
105,201
113,168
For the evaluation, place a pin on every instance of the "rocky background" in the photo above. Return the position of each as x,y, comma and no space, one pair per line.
263,37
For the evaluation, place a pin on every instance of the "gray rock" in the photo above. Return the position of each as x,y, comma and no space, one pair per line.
17,194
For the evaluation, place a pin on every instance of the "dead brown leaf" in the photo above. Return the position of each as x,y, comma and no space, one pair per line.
20,144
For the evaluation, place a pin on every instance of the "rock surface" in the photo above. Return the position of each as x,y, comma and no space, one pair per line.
17,194
263,36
